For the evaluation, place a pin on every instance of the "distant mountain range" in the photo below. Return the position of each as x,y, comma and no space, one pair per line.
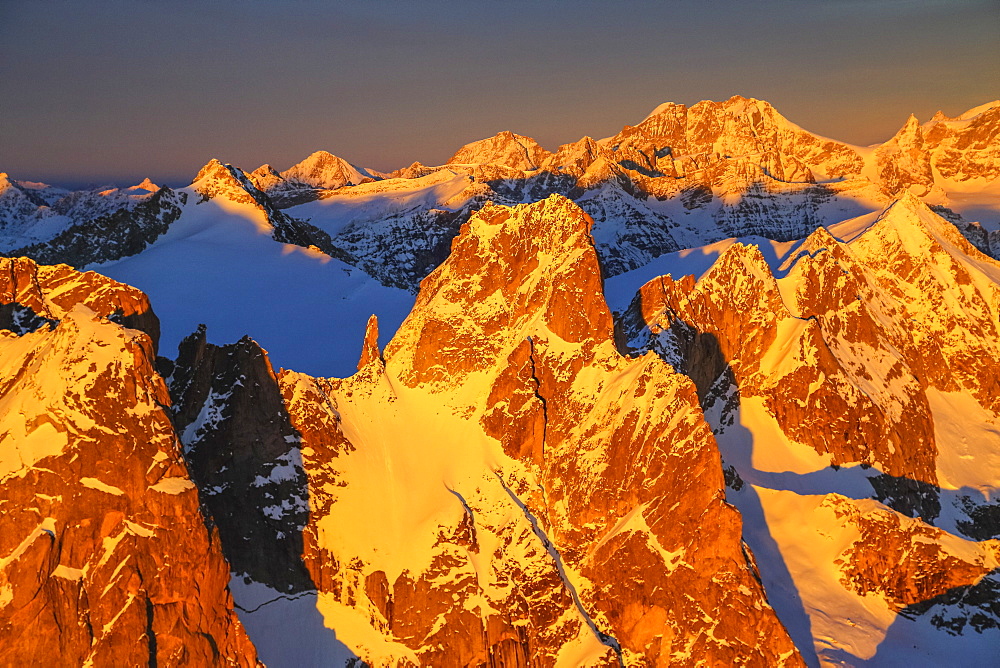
712,391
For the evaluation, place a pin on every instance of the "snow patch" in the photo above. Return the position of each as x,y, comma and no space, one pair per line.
174,485
94,483
968,443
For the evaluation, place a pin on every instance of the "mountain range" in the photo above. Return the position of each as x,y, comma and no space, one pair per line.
712,391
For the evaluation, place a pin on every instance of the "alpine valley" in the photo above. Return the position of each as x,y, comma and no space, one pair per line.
712,391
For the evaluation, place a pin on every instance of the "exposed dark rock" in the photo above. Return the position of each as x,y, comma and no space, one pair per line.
913,498
244,456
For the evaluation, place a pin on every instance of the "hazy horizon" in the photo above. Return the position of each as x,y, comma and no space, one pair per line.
116,92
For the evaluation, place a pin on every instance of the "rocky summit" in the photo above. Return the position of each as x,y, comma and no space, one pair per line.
712,391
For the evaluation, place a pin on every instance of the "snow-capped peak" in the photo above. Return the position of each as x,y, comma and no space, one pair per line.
975,111
214,168
218,179
325,170
265,170
671,107
505,149
146,185
910,126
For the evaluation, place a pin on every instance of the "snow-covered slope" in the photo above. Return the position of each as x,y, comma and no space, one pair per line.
220,265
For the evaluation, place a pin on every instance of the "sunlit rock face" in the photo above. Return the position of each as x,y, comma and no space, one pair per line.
904,160
856,369
964,148
501,485
702,136
105,558
33,294
854,329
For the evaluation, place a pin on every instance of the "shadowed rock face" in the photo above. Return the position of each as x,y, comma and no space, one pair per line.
243,454
105,558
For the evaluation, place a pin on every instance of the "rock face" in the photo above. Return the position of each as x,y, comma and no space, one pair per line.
857,357
610,453
104,557
32,295
111,236
370,351
906,563
501,486
903,161
244,456
16,202
403,242
964,148
505,149
52,225
832,340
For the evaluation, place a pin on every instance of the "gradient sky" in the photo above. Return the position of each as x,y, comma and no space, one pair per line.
96,92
